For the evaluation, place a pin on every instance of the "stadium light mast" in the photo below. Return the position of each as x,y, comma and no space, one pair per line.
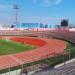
16,8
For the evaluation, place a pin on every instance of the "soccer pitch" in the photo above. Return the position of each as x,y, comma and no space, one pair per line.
12,47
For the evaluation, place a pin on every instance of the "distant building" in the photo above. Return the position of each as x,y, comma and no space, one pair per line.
5,25
71,26
41,25
30,25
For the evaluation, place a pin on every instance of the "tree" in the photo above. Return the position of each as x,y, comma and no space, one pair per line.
46,26
57,26
64,22
41,25
12,26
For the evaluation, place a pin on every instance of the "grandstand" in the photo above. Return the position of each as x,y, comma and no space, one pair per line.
67,69
48,47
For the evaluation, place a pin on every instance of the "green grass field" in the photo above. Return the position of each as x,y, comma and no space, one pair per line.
70,47
11,47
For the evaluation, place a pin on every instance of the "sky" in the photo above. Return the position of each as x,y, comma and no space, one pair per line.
37,11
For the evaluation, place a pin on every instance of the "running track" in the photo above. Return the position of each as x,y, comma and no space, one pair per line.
46,48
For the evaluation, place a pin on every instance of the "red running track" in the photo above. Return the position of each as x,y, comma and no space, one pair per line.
46,48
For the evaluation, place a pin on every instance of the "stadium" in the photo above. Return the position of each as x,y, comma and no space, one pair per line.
37,37
37,51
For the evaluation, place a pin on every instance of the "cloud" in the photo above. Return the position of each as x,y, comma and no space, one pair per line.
58,1
52,2
47,2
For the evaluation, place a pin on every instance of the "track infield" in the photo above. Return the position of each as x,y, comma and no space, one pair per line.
46,47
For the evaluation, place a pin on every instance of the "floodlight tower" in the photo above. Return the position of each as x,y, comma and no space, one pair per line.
16,8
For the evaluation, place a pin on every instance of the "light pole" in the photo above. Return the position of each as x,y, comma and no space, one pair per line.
16,8
69,54
64,57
